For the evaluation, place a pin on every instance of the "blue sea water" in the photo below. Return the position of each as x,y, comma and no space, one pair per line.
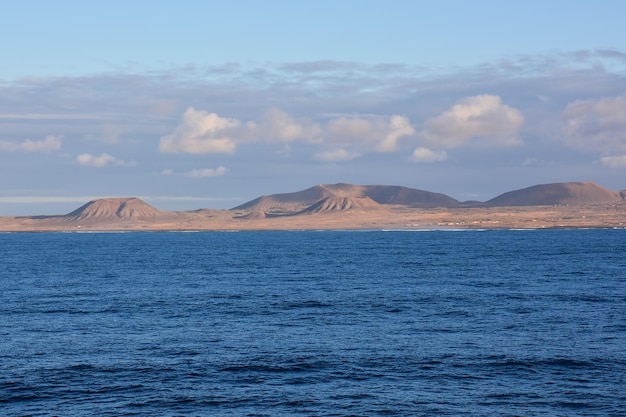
476,323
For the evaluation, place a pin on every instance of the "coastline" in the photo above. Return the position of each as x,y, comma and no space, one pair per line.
393,218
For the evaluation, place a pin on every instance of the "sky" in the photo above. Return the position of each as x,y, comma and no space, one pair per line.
209,104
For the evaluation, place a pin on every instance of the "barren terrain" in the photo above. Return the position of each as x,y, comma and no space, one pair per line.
345,206
589,216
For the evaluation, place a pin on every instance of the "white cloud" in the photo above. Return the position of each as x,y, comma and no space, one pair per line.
198,173
425,155
207,172
614,161
597,125
50,143
103,160
382,132
350,128
482,119
278,126
200,132
398,126
336,155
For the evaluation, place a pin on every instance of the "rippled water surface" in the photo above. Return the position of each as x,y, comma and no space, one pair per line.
313,323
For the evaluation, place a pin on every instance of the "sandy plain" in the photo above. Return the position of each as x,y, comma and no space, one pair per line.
392,217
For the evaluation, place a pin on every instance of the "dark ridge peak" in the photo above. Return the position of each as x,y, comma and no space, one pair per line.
394,194
567,193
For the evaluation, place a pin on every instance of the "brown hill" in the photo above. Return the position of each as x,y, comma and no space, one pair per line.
345,206
287,202
336,197
569,193
391,194
330,204
114,209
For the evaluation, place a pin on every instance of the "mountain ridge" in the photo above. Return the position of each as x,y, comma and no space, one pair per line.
346,206
343,197
311,199
569,193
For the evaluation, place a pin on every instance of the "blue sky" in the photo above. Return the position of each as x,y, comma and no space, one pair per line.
195,104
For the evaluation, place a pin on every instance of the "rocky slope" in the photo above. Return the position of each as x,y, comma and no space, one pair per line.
345,206
114,209
569,193
344,197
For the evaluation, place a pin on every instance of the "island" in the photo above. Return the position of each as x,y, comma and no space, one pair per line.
353,207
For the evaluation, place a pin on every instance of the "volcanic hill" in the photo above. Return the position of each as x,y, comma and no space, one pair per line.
114,209
569,193
347,206
343,197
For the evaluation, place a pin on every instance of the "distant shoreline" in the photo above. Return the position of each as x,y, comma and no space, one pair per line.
341,206
605,216
303,230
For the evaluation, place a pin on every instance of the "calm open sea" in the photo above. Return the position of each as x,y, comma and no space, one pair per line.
478,323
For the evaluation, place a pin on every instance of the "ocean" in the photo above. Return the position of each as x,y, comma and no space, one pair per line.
328,323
